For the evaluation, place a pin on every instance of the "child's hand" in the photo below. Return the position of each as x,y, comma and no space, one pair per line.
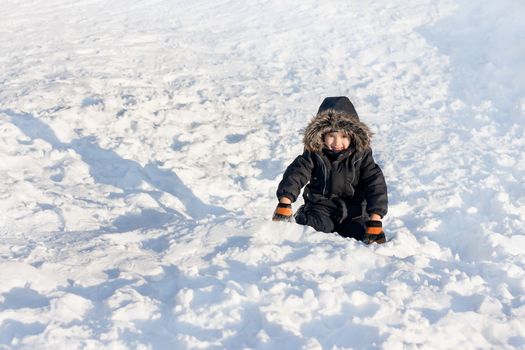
374,232
283,212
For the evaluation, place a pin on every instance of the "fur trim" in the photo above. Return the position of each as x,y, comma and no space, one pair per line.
331,120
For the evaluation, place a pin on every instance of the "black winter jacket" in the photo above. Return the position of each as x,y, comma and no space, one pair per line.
353,176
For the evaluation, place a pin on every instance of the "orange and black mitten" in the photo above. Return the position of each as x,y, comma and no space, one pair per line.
374,232
283,212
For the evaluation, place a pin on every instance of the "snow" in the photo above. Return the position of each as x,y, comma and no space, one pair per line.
141,143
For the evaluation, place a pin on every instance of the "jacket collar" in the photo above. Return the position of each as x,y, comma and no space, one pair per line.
338,156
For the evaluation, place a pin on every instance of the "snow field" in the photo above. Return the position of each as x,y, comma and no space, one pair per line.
141,145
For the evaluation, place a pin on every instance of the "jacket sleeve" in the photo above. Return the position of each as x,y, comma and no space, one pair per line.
296,177
372,182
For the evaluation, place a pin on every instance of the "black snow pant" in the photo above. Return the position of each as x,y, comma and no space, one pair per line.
333,216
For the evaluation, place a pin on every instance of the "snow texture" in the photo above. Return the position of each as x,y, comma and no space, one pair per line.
141,143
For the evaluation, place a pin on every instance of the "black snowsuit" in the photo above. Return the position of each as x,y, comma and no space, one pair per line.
343,189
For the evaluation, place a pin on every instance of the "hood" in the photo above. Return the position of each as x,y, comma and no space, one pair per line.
336,114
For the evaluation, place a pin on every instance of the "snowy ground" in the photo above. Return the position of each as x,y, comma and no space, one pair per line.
141,143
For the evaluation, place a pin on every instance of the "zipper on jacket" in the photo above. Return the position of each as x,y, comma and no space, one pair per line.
325,172
353,169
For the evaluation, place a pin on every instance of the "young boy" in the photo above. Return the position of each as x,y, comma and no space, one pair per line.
345,189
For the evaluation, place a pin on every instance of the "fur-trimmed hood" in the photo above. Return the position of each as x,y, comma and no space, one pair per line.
336,114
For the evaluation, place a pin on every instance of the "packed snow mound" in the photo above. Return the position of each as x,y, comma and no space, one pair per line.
141,144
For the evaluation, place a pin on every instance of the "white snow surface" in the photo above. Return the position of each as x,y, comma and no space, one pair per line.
141,144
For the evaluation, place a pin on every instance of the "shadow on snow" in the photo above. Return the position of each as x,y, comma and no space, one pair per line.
107,167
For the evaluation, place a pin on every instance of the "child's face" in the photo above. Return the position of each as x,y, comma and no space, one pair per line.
336,141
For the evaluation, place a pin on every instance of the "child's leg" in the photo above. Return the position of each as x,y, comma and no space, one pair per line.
354,228
316,216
